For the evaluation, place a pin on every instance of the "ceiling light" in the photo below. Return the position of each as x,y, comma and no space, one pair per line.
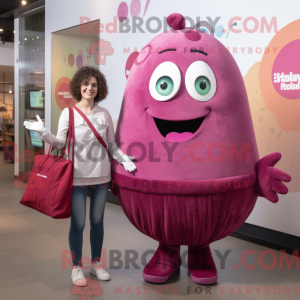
24,2
14,31
25,39
1,29
37,37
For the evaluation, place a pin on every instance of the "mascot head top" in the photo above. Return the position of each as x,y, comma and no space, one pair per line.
185,107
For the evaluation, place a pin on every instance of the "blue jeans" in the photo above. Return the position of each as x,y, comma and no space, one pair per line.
78,213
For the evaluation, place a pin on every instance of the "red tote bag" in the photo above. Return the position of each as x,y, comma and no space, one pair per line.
50,186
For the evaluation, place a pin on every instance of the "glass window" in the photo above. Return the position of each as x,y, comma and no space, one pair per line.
32,78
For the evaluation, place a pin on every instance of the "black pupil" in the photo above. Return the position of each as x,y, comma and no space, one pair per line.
203,85
163,85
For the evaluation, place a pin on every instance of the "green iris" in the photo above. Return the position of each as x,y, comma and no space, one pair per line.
164,85
202,85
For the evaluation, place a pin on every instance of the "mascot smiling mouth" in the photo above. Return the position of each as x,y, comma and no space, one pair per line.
178,131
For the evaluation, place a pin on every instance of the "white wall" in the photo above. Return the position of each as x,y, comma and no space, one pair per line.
61,14
7,54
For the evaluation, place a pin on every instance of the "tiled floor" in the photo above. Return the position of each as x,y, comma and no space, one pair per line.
32,264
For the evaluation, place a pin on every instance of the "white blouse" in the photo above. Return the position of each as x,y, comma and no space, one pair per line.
91,162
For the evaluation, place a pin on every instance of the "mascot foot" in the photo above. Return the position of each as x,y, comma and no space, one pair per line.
201,265
163,264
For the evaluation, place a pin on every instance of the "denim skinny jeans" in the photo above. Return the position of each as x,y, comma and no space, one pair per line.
78,213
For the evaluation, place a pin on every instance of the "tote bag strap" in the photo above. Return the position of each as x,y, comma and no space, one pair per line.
93,128
71,134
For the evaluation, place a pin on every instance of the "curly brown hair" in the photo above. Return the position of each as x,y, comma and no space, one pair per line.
85,73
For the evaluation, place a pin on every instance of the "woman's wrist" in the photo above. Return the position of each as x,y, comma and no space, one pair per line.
43,132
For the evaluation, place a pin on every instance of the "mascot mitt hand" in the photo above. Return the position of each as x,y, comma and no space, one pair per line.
269,179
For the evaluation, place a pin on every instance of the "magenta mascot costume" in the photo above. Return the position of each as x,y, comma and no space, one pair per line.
185,117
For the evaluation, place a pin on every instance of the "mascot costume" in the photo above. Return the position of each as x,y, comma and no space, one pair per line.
185,117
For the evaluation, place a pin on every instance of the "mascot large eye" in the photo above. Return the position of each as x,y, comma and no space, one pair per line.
165,81
200,81
164,85
202,85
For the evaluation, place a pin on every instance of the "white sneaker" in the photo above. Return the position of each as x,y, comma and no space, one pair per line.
97,270
78,277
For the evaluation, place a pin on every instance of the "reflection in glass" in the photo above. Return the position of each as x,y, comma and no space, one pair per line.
32,83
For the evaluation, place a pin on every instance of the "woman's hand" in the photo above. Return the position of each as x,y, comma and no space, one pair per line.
35,126
127,163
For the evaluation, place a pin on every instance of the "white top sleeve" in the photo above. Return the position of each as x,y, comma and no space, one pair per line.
112,146
59,140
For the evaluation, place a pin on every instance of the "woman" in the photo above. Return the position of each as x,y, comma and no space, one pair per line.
91,164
